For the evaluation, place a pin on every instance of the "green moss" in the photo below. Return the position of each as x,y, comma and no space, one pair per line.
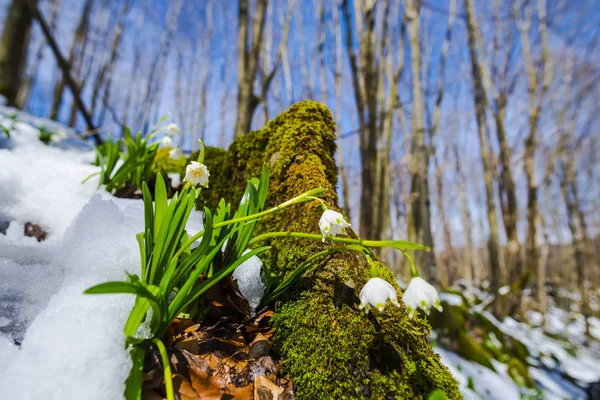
331,349
519,373
471,350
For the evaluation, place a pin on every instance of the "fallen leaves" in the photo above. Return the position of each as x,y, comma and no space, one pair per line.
227,359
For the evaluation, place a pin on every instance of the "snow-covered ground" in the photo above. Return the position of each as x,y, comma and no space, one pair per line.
72,345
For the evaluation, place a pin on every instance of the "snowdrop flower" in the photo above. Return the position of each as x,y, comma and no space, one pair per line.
59,136
166,141
332,223
420,294
375,293
197,174
173,129
175,153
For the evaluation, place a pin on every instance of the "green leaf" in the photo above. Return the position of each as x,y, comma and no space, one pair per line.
5,130
437,395
181,298
204,286
201,152
122,288
136,317
160,203
133,385
148,208
263,186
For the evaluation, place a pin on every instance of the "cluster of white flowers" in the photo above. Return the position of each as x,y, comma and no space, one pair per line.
419,294
59,136
167,141
197,174
376,292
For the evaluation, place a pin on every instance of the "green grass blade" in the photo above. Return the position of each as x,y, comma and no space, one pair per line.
160,203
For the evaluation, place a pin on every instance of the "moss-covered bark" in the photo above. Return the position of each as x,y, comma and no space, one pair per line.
332,350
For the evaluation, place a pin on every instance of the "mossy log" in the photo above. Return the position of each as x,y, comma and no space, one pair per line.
331,349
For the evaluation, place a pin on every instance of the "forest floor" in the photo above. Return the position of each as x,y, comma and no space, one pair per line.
59,236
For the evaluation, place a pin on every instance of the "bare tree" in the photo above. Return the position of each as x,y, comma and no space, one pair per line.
339,70
250,62
13,49
536,92
25,88
419,228
75,58
496,265
104,77
375,103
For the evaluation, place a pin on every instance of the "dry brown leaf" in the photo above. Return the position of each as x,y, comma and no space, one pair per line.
265,389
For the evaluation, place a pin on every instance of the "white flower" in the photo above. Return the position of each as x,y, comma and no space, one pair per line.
375,293
332,223
166,141
197,174
420,294
175,153
173,129
59,136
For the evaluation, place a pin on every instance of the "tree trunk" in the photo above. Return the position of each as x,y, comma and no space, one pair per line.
318,326
496,268
339,65
77,48
469,265
535,105
25,89
248,59
13,49
419,229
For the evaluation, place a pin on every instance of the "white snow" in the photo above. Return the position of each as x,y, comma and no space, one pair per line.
249,281
72,345
451,298
584,365
42,184
488,384
75,344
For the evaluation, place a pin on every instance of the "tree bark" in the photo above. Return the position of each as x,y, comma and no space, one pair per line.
13,49
419,229
535,105
25,89
78,46
248,59
497,272
65,68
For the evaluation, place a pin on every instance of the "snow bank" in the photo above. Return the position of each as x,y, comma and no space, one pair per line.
75,344
42,184
72,345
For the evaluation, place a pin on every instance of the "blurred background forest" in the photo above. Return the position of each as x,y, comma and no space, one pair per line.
469,126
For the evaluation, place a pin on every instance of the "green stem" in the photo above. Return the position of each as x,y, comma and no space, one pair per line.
307,196
397,244
91,176
166,367
414,272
